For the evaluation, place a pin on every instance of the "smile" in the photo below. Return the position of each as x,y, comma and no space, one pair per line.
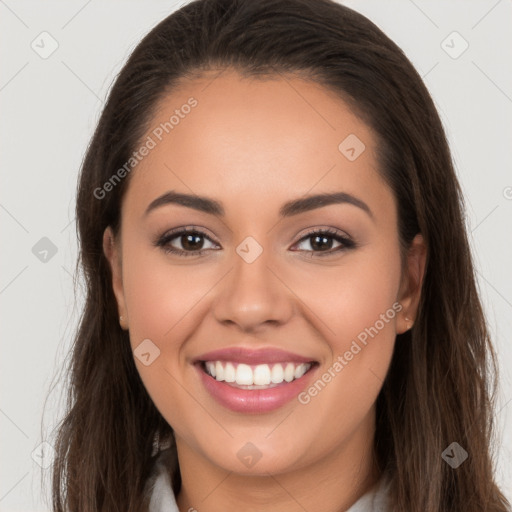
250,381
261,376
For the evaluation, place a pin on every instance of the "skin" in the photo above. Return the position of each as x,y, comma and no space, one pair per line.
275,140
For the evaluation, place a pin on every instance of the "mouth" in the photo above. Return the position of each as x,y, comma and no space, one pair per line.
252,377
251,384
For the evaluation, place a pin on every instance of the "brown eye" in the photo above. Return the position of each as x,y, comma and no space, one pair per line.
321,242
191,242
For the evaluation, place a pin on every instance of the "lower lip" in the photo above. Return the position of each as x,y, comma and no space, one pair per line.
254,400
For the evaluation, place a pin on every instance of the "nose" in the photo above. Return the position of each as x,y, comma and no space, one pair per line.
253,295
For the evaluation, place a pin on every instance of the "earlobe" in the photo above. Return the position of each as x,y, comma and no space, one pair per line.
111,250
410,293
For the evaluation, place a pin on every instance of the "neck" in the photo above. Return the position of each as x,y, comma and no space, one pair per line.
338,479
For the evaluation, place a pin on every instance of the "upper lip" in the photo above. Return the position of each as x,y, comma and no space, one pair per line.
254,356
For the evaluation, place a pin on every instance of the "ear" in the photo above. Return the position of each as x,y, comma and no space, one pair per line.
112,251
412,280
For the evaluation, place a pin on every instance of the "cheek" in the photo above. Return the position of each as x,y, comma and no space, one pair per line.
351,297
357,306
159,296
163,302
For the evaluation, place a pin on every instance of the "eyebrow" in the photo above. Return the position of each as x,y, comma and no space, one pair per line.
294,207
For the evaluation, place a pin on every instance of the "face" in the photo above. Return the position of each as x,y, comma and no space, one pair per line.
267,284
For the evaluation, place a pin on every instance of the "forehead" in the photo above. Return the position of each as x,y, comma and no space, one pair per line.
227,136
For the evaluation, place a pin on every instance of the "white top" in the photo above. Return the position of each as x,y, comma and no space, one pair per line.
163,500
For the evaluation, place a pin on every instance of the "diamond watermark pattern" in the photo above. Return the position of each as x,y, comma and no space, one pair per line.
351,147
454,455
249,455
43,455
146,352
44,250
44,45
249,249
454,45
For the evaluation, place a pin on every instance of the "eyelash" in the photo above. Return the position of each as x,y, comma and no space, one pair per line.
164,241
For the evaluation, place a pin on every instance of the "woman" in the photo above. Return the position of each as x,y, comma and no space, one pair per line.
327,351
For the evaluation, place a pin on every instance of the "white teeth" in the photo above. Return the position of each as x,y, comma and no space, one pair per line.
277,374
219,371
210,366
229,373
258,375
262,375
289,372
244,375
300,371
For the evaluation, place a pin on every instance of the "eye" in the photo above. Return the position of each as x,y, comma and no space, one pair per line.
321,242
190,239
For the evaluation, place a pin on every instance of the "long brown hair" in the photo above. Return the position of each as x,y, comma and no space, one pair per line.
441,382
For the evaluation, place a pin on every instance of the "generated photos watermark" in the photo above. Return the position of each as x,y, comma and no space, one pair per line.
152,140
343,359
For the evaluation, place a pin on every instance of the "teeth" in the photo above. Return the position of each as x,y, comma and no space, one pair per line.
277,375
262,375
259,375
219,371
210,366
300,371
289,372
244,375
229,373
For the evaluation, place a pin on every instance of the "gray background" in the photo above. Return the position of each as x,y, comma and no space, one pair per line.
49,107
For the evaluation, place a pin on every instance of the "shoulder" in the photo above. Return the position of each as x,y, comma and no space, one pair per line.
376,499
158,489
